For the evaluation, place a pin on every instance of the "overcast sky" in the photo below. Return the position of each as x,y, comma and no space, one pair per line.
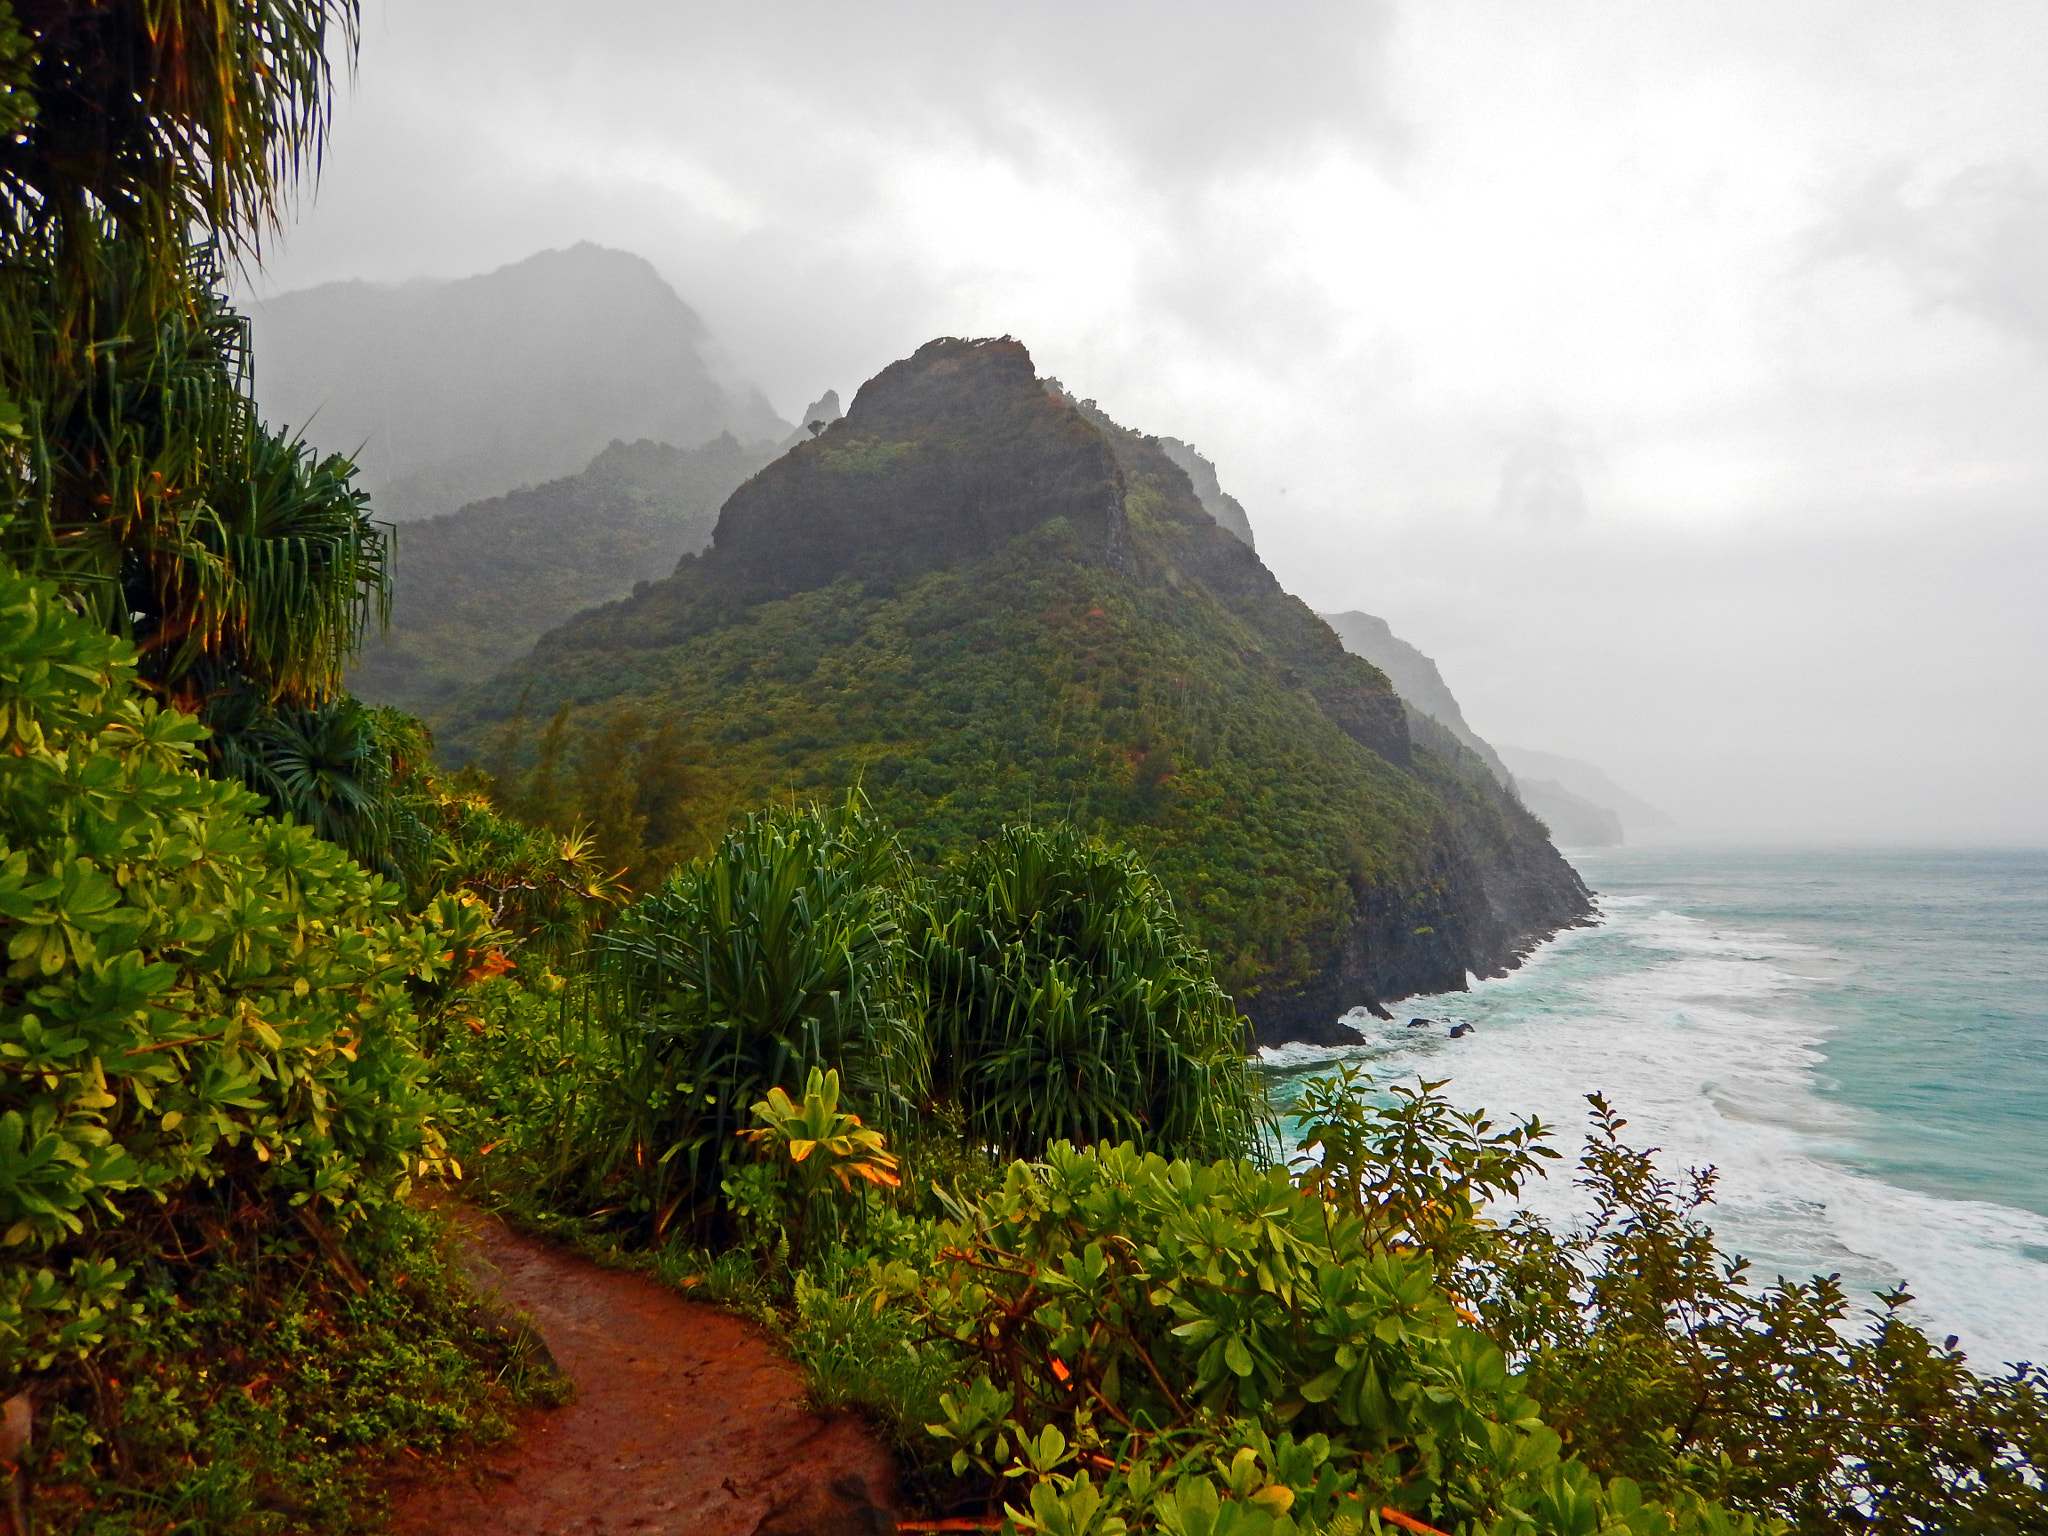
1675,373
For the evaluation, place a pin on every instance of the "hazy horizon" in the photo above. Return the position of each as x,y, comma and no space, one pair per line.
1675,378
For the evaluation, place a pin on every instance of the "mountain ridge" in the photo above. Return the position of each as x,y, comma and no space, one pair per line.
477,587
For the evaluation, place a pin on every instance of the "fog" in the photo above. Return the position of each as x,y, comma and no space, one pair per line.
1676,376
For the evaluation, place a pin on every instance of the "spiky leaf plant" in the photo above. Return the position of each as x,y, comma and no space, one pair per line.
774,955
1065,1002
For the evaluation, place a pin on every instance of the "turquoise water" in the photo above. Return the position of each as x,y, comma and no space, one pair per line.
1856,1039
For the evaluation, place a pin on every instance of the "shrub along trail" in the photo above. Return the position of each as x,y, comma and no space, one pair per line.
685,1420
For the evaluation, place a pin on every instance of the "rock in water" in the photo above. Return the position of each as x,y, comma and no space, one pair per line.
983,602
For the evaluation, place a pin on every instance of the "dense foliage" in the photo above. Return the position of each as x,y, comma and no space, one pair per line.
210,1092
206,1010
1112,1337
1064,1002
1034,687
802,944
137,474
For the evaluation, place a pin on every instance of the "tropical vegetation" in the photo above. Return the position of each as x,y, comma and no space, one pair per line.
1121,1330
943,1086
481,585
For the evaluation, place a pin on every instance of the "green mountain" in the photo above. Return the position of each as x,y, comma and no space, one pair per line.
984,601
476,588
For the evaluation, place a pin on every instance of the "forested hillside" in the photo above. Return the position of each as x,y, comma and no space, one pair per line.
981,602
476,588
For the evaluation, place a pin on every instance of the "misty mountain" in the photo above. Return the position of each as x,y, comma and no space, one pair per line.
1580,805
476,588
449,392
1416,678
1586,783
1574,822
1219,503
984,602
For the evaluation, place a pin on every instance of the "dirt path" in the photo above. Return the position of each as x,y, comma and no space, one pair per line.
686,1420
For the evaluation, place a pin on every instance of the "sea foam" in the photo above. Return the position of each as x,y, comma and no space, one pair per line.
1699,1033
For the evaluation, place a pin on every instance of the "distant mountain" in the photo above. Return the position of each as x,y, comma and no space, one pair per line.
1574,822
476,588
449,392
1587,783
1415,678
1217,502
1581,806
984,602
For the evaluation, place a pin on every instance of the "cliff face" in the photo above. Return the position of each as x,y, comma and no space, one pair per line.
985,602
1218,503
1416,678
940,458
450,392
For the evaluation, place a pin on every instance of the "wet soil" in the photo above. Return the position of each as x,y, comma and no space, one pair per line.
685,1420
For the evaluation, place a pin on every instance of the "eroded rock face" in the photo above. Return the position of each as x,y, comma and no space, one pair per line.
942,457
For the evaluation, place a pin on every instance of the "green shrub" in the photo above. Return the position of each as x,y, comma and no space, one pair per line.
207,1025
775,954
1208,1347
1654,1355
1064,1001
193,1421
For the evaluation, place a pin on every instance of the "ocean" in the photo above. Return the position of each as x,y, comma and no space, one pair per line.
1856,1039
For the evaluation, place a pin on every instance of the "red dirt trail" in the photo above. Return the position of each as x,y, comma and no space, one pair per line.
686,1421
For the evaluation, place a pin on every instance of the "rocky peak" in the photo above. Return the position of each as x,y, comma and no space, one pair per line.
941,457
1218,503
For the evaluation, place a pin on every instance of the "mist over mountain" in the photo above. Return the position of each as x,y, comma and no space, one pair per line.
1588,783
1416,678
1220,504
982,602
1573,821
476,588
1581,806
449,392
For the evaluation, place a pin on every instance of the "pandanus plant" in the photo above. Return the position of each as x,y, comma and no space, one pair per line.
775,955
145,145
1065,1002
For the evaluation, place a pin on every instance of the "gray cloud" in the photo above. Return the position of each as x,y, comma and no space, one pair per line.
1977,240
1340,245
1539,480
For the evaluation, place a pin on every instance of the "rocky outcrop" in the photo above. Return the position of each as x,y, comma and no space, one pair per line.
940,458
1218,503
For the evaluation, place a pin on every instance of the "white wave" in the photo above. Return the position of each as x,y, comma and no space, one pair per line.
1697,1035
